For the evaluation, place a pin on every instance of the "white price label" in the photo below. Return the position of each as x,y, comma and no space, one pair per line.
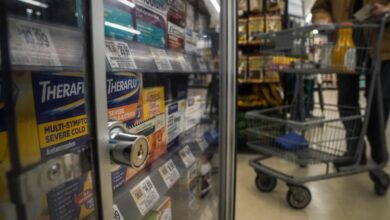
161,59
145,195
119,55
169,173
31,44
186,156
117,214
202,65
185,65
203,144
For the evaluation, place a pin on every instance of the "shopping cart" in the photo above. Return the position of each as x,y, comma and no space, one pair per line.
323,135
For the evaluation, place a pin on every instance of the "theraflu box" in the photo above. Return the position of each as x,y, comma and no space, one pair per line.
152,27
119,20
71,200
123,93
51,116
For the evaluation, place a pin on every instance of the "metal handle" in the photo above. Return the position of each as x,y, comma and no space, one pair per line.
127,149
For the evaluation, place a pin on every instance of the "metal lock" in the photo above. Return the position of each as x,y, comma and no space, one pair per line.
127,149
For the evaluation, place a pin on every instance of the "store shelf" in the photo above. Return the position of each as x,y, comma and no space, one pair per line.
62,50
317,71
123,198
123,55
257,81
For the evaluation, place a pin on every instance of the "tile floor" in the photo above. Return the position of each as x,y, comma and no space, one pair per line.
347,198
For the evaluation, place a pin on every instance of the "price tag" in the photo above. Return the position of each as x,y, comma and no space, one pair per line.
31,44
202,65
203,144
185,65
145,195
119,55
186,156
161,59
117,214
169,173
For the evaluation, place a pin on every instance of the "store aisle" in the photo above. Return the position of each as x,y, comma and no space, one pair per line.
350,198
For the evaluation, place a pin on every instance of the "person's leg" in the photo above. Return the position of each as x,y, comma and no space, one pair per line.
378,152
348,105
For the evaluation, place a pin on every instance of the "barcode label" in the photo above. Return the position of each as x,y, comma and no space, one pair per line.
186,156
31,44
169,173
161,59
185,65
119,55
202,65
145,195
117,214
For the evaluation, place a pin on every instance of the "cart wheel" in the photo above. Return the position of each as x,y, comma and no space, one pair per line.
298,197
265,182
381,182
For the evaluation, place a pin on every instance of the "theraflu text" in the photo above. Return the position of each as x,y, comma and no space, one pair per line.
52,91
123,91
58,95
122,85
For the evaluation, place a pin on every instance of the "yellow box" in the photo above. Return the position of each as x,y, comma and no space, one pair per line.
50,114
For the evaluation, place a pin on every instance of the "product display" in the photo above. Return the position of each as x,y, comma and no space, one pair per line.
177,12
255,6
119,111
243,67
242,7
176,121
152,27
256,26
190,45
51,115
119,14
275,5
123,94
242,31
273,23
256,64
72,200
193,111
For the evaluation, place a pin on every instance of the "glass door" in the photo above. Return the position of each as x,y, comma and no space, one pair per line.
163,109
45,126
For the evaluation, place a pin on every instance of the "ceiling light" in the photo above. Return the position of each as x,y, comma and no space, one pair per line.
216,5
125,2
35,3
121,27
